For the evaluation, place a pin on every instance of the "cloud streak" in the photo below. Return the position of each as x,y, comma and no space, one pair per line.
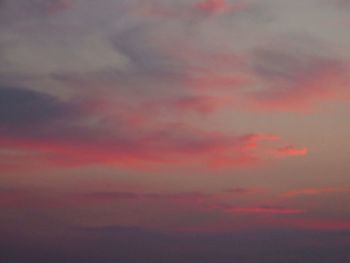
296,77
61,133
316,191
264,210
291,150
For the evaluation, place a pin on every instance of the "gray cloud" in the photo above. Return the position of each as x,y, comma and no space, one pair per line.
24,108
291,60
297,70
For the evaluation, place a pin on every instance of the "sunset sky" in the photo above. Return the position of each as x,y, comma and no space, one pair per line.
175,131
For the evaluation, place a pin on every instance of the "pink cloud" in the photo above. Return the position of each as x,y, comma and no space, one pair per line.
225,161
312,223
316,191
296,80
129,135
264,210
243,190
170,145
213,6
291,150
219,6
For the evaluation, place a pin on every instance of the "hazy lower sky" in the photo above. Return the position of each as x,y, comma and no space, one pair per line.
174,131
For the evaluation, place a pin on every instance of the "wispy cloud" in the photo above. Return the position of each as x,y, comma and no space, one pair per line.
264,210
315,191
294,76
290,150
62,133
213,6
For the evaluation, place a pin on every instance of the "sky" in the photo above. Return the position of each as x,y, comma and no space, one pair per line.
173,131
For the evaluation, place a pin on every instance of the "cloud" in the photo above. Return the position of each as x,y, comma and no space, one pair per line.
286,75
78,134
295,76
315,191
45,55
18,198
209,201
189,11
264,210
291,150
174,85
186,104
28,109
216,7
242,190
24,198
324,224
213,6
157,147
190,197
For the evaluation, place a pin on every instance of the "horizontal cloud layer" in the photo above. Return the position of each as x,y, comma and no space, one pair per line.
69,133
